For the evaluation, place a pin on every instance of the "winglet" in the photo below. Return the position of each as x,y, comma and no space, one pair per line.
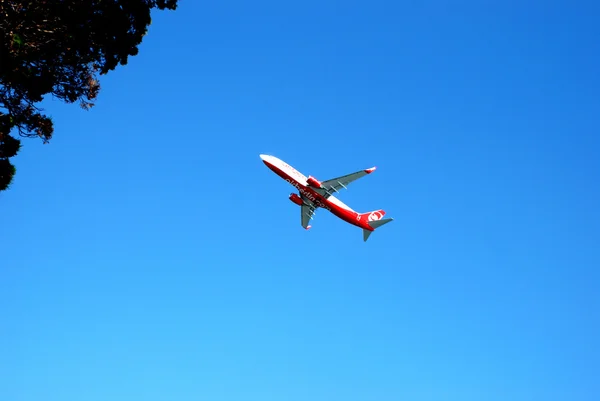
370,170
308,227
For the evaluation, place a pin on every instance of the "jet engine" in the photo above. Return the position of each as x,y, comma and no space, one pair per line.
313,182
296,199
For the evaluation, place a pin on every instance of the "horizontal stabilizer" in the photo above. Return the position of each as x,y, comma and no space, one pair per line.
375,224
379,223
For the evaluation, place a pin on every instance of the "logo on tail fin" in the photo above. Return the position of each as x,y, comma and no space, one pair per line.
377,215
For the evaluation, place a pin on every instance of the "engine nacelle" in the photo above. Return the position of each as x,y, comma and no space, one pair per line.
313,182
296,199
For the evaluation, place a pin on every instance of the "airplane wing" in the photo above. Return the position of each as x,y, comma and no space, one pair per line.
335,184
307,210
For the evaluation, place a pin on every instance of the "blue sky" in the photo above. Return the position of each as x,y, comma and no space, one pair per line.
148,254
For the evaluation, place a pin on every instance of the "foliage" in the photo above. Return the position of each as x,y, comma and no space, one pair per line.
60,47
7,171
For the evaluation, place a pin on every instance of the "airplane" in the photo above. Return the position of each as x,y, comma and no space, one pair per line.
314,194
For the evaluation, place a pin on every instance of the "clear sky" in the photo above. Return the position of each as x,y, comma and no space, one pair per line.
149,255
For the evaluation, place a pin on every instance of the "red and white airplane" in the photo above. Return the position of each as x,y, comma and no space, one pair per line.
315,194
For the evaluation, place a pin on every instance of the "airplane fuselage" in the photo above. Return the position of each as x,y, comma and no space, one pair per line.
300,182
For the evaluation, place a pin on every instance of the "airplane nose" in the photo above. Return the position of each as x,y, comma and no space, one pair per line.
266,158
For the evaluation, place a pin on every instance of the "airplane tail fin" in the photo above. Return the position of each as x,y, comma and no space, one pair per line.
375,220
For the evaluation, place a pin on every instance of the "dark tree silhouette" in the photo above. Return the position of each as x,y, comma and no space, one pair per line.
60,47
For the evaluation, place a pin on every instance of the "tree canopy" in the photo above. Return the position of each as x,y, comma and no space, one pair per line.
60,47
